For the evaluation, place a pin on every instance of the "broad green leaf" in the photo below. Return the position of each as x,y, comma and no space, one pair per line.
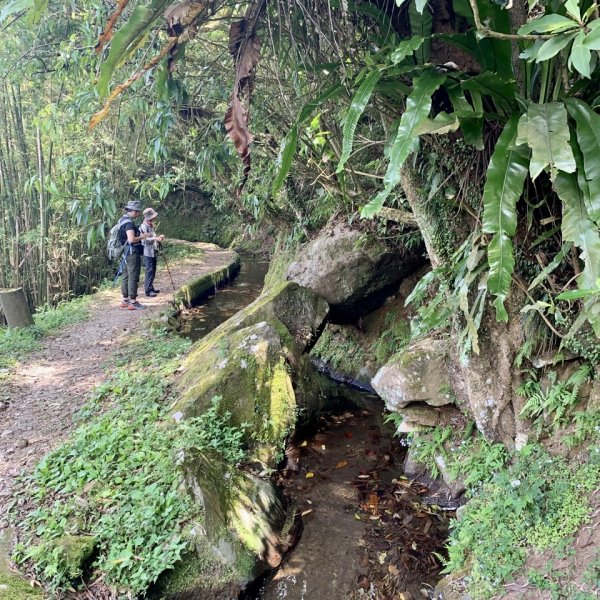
127,39
502,264
443,123
577,227
578,294
572,8
284,160
14,7
418,105
581,56
530,53
588,136
421,24
357,107
555,262
506,176
405,48
546,132
553,46
592,39
548,24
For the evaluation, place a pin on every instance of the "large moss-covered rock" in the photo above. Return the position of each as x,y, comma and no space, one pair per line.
348,272
341,353
245,528
421,373
73,551
249,371
298,309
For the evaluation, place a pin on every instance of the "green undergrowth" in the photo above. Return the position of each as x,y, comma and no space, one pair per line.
520,504
467,455
536,504
116,479
15,344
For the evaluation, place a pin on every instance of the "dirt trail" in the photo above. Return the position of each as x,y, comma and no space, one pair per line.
44,392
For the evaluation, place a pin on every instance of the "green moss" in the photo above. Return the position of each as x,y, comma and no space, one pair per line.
247,370
74,550
192,216
197,571
15,588
340,350
282,257
193,291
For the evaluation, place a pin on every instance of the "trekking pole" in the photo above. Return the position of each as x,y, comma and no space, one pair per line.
168,270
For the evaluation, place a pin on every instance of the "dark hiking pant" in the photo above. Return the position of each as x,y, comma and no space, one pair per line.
150,266
131,275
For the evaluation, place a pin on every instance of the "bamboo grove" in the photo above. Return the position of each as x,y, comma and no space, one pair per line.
347,97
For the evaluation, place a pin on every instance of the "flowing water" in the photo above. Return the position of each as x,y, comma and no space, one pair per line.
226,302
362,521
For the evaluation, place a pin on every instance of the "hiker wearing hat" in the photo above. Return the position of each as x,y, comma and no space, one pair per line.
150,249
130,235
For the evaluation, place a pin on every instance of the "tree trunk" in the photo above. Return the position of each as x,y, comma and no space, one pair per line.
15,307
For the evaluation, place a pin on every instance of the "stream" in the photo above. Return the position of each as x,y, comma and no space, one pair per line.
367,531
245,287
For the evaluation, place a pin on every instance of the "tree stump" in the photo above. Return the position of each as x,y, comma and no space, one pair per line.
15,308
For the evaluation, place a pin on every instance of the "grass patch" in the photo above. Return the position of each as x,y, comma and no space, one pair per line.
116,479
17,343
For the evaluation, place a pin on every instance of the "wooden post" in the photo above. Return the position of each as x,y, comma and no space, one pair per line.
15,308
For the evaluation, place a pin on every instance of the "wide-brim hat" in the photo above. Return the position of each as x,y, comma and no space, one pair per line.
134,205
150,213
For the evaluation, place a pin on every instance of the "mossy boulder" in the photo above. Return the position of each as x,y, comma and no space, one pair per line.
350,272
246,526
299,309
340,352
12,587
249,371
421,373
71,553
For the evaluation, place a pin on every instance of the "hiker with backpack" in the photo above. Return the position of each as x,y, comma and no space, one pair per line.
151,248
126,236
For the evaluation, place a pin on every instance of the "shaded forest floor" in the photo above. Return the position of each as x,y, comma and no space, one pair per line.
42,393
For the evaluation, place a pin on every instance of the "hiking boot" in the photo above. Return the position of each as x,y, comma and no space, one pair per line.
155,291
124,304
135,305
150,294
